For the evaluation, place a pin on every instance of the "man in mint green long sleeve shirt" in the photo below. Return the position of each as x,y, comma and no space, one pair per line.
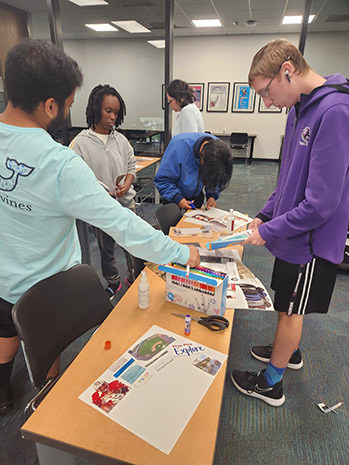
45,186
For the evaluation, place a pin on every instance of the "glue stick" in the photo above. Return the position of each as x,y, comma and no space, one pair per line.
187,325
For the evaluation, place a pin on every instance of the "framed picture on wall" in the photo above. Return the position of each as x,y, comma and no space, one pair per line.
244,98
217,97
163,96
199,95
262,108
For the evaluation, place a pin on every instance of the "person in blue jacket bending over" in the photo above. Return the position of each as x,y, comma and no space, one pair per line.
192,163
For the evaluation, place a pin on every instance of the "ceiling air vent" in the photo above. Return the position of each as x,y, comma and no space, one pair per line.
337,19
159,25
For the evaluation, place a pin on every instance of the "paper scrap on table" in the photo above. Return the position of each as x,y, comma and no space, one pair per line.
216,218
154,388
250,294
179,232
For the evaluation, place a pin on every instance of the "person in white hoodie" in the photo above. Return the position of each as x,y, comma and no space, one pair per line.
180,97
110,156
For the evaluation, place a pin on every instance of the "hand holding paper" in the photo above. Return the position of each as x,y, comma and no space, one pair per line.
254,238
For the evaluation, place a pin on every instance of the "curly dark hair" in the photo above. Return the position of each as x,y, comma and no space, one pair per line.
181,91
35,71
217,166
94,106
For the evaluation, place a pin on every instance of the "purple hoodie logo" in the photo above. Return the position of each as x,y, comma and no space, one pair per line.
305,136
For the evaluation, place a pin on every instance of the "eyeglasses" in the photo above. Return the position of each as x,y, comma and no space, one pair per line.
264,93
170,101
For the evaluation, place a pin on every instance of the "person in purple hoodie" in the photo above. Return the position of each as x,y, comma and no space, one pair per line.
304,223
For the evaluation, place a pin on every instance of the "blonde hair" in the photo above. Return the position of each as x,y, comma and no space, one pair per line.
269,58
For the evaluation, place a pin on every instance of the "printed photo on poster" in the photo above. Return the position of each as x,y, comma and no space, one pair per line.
217,96
262,108
243,98
198,94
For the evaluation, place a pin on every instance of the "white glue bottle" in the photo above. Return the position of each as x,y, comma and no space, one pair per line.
143,291
230,221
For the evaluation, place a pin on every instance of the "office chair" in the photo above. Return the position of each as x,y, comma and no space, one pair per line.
139,185
52,314
239,141
168,215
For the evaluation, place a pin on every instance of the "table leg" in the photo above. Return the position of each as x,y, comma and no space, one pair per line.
51,456
251,150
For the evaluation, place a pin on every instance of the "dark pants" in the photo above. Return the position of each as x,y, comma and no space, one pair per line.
110,270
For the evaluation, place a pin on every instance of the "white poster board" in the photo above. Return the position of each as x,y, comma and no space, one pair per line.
154,388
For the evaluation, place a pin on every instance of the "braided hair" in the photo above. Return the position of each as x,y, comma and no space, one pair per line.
94,105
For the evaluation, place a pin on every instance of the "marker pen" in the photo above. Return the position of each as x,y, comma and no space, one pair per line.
192,206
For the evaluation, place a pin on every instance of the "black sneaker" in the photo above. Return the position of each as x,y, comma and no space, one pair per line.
255,385
112,289
6,400
263,353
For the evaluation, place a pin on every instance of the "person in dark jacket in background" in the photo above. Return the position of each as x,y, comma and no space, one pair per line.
193,162
304,222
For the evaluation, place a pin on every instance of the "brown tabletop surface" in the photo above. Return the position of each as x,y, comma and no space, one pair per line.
65,422
144,162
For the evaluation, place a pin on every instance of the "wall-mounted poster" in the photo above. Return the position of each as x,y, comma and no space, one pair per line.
199,95
262,108
243,98
217,96
163,96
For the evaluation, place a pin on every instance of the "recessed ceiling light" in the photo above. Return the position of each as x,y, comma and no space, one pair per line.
207,23
297,19
157,43
89,2
102,27
131,26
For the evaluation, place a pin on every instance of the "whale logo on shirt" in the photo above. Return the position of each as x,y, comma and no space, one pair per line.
18,169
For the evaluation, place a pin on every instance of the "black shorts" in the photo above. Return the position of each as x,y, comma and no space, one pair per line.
7,327
303,289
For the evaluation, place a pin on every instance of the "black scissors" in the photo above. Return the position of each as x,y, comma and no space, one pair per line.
212,322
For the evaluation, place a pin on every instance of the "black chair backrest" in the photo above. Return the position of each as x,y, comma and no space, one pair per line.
239,139
56,311
168,215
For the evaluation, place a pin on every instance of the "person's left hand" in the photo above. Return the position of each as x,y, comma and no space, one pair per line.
211,203
122,189
254,239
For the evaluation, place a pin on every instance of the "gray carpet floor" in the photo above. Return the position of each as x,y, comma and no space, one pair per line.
250,432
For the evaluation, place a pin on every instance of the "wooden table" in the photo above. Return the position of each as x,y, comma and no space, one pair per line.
144,162
65,423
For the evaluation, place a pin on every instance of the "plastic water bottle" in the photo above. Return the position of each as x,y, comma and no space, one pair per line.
143,291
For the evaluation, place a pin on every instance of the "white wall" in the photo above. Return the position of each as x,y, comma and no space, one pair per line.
136,70
133,67
228,59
